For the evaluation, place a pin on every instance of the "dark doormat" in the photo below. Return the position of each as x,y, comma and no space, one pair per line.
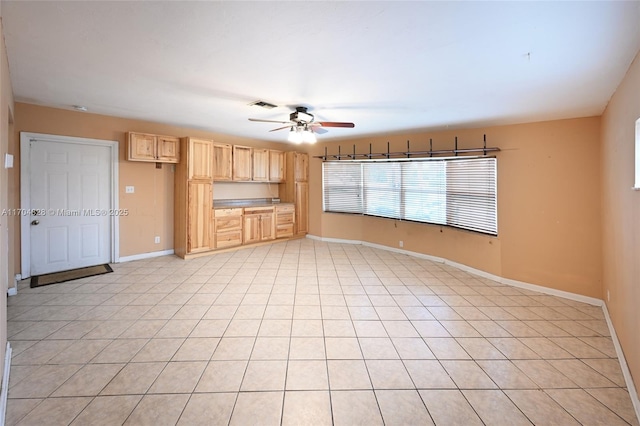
73,274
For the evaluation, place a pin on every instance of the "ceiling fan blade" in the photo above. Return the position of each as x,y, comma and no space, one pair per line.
317,128
269,121
281,128
335,124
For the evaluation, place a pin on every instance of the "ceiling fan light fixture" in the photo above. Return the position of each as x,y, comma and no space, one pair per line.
294,136
308,136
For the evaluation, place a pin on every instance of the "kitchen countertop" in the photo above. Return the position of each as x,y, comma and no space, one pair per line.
255,202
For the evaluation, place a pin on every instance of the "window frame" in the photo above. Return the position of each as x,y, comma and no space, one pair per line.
487,227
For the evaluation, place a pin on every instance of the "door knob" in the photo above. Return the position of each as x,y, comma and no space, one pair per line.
35,222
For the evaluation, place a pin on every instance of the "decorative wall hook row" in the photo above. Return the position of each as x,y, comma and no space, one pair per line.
408,153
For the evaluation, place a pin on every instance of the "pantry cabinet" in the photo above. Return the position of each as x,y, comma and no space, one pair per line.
199,232
193,198
200,159
296,189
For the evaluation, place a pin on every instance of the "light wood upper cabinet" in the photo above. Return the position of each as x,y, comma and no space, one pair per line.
153,148
276,166
199,210
242,162
168,149
301,166
200,162
222,162
260,165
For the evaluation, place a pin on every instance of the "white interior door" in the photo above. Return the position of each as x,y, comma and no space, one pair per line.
70,202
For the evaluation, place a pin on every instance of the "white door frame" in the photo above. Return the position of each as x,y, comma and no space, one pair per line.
25,192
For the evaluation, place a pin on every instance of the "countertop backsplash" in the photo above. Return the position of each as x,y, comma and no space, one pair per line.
244,190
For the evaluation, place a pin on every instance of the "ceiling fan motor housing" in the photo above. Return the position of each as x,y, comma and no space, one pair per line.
301,116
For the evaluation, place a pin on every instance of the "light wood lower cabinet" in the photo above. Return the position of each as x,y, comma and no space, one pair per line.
259,224
227,227
284,220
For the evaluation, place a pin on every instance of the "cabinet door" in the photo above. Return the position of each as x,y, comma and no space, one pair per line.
260,165
200,163
142,147
251,228
199,233
222,164
302,207
267,227
276,166
167,149
301,164
241,162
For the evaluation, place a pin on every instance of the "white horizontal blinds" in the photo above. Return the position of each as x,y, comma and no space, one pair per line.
382,183
471,194
460,192
424,191
342,187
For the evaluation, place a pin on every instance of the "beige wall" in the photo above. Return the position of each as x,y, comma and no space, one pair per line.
7,223
621,217
548,208
151,205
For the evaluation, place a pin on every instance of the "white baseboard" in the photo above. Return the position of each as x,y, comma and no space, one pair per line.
5,384
145,256
12,291
628,379
474,271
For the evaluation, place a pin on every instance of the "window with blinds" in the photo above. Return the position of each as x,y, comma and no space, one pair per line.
455,192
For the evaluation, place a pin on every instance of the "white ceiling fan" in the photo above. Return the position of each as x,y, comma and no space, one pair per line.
303,126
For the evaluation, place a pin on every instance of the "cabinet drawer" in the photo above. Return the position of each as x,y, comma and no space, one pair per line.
257,210
283,231
228,239
228,223
227,212
284,219
285,208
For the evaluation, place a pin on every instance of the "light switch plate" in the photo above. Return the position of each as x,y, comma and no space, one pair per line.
129,189
8,161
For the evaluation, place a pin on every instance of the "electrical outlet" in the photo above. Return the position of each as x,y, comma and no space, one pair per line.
156,240
401,243
129,189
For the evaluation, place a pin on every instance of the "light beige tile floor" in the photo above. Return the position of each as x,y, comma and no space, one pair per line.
304,332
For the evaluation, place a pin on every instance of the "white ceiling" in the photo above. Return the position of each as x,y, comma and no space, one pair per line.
386,66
